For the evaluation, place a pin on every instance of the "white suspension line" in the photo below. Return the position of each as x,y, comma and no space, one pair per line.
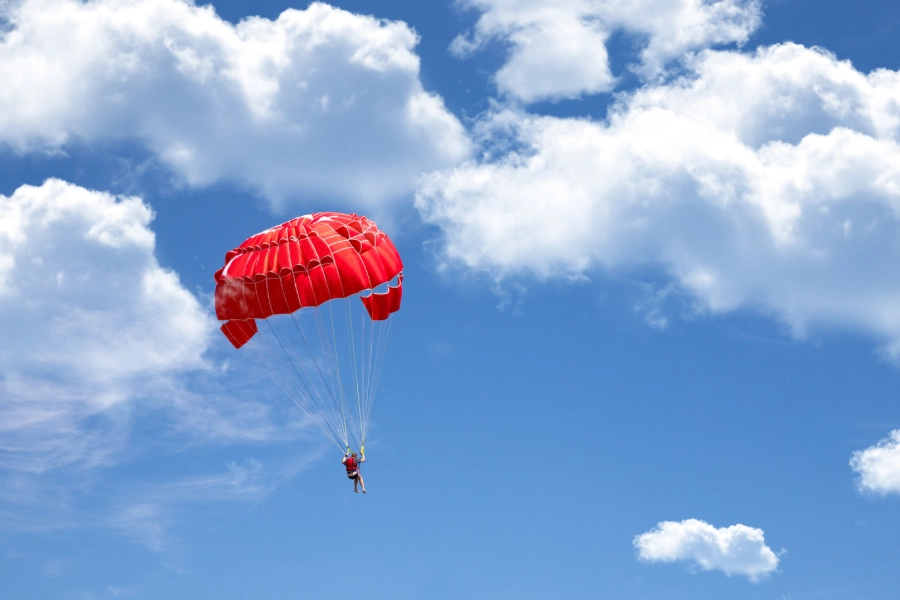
369,376
337,361
286,388
336,378
387,332
293,351
319,408
308,381
350,336
333,407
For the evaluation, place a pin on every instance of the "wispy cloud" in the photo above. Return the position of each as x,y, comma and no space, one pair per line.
116,591
146,512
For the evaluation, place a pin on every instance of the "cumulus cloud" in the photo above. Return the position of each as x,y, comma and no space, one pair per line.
319,101
768,181
98,338
558,47
735,550
89,317
879,466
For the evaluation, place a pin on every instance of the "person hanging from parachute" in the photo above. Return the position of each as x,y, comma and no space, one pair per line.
352,464
289,295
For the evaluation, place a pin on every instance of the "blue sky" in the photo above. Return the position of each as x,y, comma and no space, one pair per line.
649,343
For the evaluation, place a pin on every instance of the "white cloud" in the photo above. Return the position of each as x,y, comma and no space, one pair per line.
879,465
319,101
735,550
150,510
558,47
116,591
102,360
90,319
83,292
147,512
768,181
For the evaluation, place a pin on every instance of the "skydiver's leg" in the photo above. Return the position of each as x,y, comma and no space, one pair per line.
363,485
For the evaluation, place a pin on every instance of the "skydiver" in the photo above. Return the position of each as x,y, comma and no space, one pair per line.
353,473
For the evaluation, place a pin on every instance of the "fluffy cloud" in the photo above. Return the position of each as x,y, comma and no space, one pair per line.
319,101
735,550
768,181
558,47
90,318
879,466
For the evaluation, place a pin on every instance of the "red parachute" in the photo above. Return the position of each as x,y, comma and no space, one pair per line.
294,277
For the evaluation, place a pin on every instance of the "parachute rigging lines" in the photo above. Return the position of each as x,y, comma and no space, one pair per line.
326,286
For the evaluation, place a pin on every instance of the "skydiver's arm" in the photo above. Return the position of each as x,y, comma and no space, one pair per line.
362,458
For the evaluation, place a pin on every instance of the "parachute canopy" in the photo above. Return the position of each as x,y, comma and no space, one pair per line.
306,262
274,284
